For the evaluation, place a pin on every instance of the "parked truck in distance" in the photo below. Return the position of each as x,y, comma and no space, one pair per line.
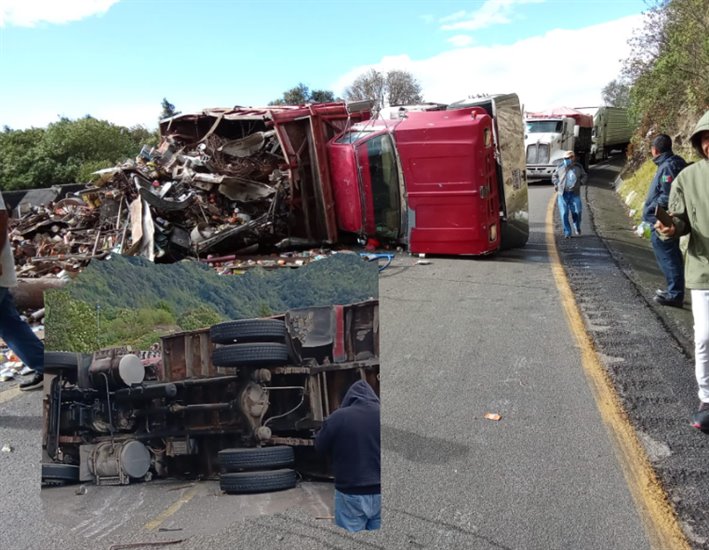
611,130
549,134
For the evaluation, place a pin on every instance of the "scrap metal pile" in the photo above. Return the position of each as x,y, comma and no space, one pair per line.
224,181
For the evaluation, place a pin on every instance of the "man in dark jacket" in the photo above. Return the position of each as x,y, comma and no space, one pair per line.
667,252
689,206
351,437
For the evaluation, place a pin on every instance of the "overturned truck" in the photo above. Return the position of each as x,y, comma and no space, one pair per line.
237,399
252,181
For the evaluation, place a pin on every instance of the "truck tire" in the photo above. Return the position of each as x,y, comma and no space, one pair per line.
255,458
258,354
60,359
248,330
257,482
52,472
64,363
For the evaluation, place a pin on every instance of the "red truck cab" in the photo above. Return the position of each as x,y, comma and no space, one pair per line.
431,180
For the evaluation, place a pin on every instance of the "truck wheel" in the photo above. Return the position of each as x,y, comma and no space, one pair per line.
255,458
60,359
248,330
257,482
52,472
260,354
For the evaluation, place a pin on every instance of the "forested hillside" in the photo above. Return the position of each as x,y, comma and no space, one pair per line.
667,72
665,84
130,300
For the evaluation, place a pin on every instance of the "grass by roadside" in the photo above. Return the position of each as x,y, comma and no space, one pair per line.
634,189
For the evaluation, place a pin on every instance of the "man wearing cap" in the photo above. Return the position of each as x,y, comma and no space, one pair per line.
667,252
689,207
568,178
13,330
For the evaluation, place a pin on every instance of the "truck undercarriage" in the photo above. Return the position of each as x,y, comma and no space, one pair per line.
242,395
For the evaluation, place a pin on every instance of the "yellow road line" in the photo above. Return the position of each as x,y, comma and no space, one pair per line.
658,516
153,524
7,395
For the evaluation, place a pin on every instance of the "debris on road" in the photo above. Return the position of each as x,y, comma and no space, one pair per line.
233,181
7,448
493,416
11,367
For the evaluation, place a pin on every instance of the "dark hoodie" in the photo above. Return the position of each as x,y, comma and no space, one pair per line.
351,436
669,166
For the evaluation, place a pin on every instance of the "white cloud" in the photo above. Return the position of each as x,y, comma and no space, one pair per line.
28,13
461,40
492,12
554,69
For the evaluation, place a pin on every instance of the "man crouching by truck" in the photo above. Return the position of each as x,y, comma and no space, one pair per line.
350,436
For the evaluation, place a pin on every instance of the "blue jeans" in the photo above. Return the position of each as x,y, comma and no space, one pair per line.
569,202
669,258
18,335
358,512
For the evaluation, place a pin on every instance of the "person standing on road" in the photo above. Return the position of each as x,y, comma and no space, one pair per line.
13,330
568,178
667,252
689,208
351,437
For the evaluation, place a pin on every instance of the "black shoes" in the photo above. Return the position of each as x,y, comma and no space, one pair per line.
34,383
664,300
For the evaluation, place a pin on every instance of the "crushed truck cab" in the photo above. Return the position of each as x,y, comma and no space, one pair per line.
442,182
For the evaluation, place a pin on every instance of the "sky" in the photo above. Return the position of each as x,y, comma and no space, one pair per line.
117,59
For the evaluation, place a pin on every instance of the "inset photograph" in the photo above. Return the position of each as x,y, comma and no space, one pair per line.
178,399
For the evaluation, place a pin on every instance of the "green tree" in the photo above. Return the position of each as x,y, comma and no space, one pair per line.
67,151
322,96
667,68
301,95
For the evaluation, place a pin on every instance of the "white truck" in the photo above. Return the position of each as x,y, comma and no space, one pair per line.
611,130
549,134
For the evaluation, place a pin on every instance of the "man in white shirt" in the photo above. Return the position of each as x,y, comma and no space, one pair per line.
13,330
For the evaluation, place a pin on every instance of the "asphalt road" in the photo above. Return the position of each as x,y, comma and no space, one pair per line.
460,338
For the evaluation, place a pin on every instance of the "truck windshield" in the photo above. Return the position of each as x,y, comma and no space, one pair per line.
543,126
352,136
385,185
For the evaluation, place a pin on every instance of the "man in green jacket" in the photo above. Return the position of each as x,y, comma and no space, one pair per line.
689,206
